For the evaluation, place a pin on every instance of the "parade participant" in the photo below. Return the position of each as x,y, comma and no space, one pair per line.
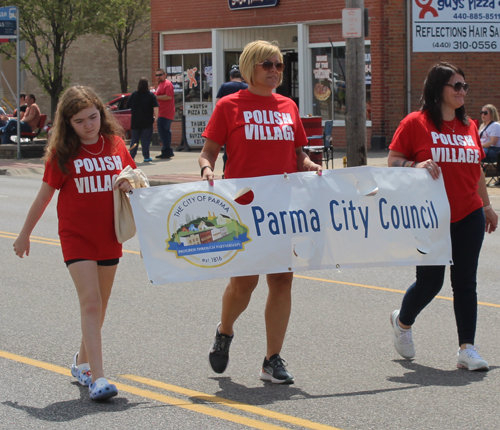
425,139
261,65
83,157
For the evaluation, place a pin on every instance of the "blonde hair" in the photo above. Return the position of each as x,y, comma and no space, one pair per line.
256,52
493,113
64,143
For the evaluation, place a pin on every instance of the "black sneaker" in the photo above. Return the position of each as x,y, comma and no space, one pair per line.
218,355
164,156
274,370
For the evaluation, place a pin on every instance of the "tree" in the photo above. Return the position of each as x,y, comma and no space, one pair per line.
125,22
49,28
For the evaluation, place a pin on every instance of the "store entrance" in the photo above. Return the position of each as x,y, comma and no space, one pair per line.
290,85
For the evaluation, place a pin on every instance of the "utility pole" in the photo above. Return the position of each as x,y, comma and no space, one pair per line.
353,29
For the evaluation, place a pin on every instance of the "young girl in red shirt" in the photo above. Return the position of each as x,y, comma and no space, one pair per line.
82,160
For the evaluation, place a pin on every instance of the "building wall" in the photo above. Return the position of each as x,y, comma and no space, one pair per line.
388,39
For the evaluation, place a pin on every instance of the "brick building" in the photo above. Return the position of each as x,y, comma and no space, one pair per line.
198,44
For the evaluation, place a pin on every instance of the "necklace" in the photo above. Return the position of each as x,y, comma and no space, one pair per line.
92,153
454,125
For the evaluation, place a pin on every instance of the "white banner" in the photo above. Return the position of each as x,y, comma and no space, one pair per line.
355,217
456,25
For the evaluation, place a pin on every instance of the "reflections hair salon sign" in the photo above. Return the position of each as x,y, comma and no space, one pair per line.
251,4
456,25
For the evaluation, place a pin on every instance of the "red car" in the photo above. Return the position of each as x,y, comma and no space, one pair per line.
124,116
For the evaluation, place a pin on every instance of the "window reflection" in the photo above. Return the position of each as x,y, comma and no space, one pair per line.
329,82
191,75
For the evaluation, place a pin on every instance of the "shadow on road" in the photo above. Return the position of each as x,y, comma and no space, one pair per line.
428,376
271,393
74,409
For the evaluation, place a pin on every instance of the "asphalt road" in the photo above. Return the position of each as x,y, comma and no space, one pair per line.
339,347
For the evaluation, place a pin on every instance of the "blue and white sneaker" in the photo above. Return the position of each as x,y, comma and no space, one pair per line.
81,372
102,390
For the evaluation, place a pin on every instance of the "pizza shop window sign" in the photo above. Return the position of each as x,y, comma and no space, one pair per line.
329,82
174,74
250,4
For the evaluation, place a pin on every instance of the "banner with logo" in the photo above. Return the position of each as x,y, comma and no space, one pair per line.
355,217
456,25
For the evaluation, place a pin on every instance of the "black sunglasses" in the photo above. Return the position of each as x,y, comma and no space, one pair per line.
457,86
484,112
160,74
268,65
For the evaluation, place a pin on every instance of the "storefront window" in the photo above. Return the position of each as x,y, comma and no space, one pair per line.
191,75
329,83
192,81
207,81
323,84
174,74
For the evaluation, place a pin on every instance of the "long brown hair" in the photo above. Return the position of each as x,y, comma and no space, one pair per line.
64,143
432,94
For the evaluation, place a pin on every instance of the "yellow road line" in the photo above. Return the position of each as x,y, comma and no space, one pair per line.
185,404
372,287
231,403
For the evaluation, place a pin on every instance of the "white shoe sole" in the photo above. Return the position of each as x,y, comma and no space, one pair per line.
266,377
472,368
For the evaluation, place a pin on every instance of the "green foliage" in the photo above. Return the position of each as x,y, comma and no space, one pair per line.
50,27
125,22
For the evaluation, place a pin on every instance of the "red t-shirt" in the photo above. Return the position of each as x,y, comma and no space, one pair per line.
85,204
457,153
167,107
260,133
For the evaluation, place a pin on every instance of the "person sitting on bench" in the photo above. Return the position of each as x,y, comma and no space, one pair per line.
29,123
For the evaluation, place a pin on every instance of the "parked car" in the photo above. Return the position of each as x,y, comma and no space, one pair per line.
124,116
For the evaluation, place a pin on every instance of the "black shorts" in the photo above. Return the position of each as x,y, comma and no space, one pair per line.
111,262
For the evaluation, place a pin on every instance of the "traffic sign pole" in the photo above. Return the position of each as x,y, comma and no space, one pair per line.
9,29
18,72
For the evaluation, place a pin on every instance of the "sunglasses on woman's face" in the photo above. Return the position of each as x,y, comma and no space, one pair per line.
457,86
484,112
268,65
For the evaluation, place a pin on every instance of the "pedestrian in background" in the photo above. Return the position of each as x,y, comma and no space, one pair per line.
234,85
29,121
166,101
261,65
144,108
422,140
84,136
489,132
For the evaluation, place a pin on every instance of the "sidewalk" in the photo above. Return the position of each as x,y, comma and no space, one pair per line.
183,167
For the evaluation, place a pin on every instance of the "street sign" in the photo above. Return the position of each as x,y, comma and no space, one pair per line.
351,23
8,18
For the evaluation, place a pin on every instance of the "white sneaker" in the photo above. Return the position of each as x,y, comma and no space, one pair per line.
469,358
403,341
